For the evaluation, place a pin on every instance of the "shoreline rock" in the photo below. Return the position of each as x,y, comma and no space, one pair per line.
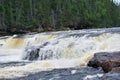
107,60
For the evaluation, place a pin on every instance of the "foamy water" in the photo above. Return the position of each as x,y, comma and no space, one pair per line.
8,55
61,51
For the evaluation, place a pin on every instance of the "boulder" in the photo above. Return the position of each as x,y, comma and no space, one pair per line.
106,60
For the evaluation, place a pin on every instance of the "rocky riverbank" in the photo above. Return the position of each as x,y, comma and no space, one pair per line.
109,62
78,73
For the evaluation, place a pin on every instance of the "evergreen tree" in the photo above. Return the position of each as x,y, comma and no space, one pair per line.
58,14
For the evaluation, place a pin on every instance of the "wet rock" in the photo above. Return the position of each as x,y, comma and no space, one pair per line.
117,69
31,53
13,64
81,73
110,65
35,53
111,76
106,60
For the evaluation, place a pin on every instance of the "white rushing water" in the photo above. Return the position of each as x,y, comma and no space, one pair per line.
56,50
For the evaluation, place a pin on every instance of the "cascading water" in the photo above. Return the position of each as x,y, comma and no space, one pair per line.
71,45
63,49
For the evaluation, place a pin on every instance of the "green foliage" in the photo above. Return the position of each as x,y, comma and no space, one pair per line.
58,14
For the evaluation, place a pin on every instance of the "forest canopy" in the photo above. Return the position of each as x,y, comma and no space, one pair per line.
47,15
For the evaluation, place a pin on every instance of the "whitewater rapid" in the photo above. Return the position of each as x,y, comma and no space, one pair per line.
64,49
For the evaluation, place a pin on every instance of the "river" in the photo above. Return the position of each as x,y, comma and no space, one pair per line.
61,55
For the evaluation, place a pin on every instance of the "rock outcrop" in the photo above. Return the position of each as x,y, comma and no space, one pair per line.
107,60
31,53
35,53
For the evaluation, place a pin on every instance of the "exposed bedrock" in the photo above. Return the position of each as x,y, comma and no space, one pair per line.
31,54
109,61
34,53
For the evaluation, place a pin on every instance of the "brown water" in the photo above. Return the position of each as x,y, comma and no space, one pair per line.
58,50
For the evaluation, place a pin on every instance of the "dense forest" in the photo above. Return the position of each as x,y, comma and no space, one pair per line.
49,15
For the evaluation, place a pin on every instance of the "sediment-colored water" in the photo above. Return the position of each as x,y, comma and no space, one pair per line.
57,50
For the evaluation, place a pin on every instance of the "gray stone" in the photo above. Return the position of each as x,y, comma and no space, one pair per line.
106,60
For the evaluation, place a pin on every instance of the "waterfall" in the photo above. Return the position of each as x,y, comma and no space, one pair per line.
55,50
80,44
72,44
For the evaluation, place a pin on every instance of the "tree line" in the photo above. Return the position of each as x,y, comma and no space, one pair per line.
47,15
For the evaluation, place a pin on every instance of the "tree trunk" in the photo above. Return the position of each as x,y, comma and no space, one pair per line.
53,19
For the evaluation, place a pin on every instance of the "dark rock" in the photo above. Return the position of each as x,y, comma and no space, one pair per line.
13,64
110,65
31,53
106,60
116,69
34,53
80,73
